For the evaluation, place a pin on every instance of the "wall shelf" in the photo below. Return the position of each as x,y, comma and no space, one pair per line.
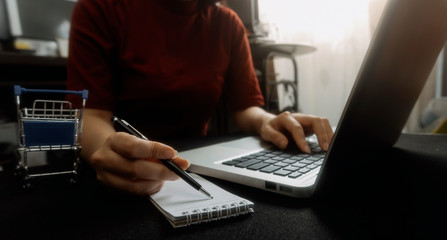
29,71
16,58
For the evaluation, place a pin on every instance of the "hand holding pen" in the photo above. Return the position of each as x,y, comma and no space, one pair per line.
167,162
124,162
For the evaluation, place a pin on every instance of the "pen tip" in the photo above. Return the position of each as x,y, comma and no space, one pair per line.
206,193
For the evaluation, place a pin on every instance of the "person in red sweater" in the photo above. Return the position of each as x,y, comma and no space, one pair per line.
164,65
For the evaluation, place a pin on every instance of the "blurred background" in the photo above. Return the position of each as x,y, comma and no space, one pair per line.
307,53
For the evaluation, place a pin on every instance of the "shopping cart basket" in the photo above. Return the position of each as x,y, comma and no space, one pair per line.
48,125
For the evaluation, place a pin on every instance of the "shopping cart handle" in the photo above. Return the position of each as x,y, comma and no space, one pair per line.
18,90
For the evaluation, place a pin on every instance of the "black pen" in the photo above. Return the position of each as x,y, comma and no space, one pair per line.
167,162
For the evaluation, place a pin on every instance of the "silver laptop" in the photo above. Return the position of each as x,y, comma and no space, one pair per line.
401,55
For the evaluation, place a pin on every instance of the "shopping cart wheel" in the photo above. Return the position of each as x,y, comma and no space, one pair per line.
27,183
20,173
73,180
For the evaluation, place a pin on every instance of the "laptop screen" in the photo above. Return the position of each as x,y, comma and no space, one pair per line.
399,60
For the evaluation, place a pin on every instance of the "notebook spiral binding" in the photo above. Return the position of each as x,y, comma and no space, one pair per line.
217,212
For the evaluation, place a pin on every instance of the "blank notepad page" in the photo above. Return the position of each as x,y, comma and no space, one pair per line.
183,205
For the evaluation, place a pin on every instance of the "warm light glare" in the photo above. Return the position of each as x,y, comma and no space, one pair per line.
326,20
340,30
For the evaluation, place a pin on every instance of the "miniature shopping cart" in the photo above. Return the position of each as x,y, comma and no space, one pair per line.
48,125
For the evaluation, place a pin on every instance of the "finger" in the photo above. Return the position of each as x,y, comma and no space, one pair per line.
290,124
135,186
323,131
320,128
134,147
330,130
181,162
299,137
113,162
274,136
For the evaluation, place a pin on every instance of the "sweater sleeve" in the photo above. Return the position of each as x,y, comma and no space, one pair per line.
91,49
242,90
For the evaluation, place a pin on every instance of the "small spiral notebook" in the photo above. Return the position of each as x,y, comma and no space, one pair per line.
183,205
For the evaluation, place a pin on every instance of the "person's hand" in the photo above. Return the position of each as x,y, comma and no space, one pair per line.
130,164
297,126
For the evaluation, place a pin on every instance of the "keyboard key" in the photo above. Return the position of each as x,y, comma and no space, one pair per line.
230,163
316,149
239,159
289,161
299,165
295,175
291,168
277,153
269,169
281,164
247,163
270,161
306,161
257,154
282,172
312,166
258,166
286,155
313,158
304,170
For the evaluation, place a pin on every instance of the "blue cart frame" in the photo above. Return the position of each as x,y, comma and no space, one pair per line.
47,126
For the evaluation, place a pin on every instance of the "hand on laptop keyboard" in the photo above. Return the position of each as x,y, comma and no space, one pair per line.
275,128
298,126
290,162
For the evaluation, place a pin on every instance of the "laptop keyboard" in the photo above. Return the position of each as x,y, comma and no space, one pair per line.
291,163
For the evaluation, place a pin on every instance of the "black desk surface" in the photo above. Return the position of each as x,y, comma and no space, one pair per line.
406,201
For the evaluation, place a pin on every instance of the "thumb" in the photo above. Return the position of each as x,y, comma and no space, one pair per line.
161,151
